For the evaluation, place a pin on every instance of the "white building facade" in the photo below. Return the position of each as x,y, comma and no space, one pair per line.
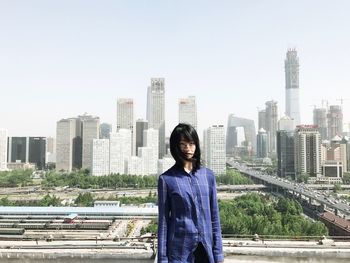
214,147
120,151
100,157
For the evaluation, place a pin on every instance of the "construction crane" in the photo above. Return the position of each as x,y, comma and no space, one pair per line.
341,101
313,106
324,101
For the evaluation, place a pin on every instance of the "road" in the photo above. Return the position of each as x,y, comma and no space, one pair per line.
298,188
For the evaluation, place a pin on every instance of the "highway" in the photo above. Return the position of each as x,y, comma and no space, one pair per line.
296,188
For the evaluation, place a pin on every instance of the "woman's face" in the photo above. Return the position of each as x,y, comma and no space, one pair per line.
188,148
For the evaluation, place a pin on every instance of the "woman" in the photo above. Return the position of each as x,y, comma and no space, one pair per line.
188,224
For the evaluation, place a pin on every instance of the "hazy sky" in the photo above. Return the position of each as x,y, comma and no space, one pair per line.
59,59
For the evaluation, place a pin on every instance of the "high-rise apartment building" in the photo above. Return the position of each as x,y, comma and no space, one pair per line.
320,119
120,151
151,140
214,147
3,150
125,118
188,111
147,160
271,124
156,111
291,65
100,157
261,139
334,121
135,166
141,126
307,150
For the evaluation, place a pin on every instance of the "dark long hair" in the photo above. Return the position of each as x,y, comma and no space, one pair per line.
184,131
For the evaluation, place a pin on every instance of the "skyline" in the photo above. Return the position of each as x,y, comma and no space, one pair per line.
60,60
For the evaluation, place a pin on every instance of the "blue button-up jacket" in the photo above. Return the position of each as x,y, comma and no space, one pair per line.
188,214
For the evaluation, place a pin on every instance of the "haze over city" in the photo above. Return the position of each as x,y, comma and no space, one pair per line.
61,59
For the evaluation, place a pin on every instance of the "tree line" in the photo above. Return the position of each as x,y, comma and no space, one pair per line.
83,179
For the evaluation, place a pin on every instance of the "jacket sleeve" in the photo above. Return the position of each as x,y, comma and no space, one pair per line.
163,220
215,220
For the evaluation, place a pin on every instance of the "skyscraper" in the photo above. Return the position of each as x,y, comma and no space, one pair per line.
17,149
27,150
156,110
271,124
125,118
261,144
120,151
37,151
65,134
307,150
100,157
285,154
334,121
50,150
286,123
3,149
320,119
141,125
233,123
262,119
214,147
291,65
74,137
151,140
285,147
188,111
90,131
105,130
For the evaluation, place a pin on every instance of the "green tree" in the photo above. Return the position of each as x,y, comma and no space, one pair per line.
337,188
85,199
258,214
346,178
48,200
303,178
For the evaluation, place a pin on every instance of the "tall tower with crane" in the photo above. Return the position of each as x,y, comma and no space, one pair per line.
291,65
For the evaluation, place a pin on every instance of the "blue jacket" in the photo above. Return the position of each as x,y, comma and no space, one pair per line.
188,214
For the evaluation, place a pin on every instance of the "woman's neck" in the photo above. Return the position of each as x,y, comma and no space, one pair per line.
188,166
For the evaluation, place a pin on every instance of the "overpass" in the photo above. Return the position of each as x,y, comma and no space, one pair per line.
241,187
297,189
